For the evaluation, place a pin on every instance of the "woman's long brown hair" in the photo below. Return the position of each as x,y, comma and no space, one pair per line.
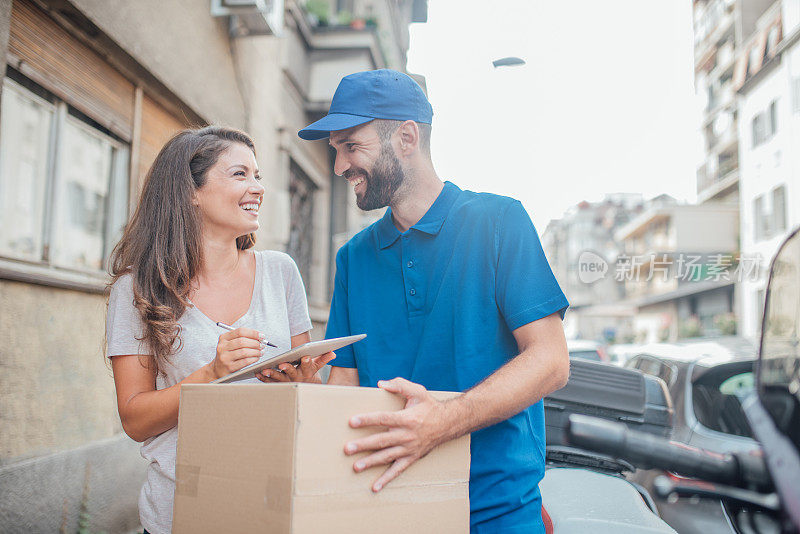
162,244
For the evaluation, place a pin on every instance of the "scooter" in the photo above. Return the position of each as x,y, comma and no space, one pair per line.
760,492
585,491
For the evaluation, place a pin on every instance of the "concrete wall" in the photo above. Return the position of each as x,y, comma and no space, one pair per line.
58,392
182,45
100,481
61,450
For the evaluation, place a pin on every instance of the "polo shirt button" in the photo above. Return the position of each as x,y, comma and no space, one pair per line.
410,264
412,292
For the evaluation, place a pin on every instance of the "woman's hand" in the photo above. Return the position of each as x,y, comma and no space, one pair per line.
307,371
236,349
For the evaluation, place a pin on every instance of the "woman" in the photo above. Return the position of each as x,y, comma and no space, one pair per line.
184,263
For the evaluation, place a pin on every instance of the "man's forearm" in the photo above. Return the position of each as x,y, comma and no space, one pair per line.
538,370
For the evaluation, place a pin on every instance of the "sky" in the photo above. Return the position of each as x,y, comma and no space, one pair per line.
604,104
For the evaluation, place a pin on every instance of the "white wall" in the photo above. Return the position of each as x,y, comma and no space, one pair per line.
763,168
705,228
790,16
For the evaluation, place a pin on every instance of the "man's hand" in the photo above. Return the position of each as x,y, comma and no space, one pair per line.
307,371
411,434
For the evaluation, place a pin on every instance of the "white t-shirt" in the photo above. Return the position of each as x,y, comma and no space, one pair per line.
278,309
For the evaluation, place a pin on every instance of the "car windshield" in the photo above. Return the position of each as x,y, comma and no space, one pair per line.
585,354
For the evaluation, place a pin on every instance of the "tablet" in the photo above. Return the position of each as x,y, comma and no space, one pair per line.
312,350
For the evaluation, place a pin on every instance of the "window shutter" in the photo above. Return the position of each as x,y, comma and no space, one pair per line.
49,55
158,127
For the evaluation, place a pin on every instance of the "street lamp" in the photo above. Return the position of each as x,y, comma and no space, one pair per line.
508,62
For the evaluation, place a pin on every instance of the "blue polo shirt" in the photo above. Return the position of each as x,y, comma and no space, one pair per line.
439,303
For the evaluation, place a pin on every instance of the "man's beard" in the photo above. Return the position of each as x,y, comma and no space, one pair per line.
384,181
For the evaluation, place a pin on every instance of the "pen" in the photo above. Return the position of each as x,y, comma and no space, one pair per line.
229,327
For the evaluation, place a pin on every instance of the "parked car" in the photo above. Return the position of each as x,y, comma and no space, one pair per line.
588,350
704,377
622,352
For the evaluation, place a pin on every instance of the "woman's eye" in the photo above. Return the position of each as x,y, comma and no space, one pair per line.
239,173
257,177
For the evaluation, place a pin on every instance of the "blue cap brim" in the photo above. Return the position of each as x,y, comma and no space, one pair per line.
331,123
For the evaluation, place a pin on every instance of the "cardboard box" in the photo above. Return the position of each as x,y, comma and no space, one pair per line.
270,458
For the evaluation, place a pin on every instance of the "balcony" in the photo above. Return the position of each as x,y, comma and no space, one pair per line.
721,135
717,185
333,50
720,99
711,25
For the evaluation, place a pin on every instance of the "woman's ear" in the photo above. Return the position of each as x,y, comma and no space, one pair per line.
195,202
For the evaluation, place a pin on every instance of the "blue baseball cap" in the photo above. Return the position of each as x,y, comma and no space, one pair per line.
368,95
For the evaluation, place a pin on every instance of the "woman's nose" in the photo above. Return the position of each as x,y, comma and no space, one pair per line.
257,188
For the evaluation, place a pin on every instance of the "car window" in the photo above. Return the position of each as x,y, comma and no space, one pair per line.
740,384
585,354
716,404
649,366
654,367
665,373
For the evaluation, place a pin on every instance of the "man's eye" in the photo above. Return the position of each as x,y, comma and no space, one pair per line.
351,146
239,173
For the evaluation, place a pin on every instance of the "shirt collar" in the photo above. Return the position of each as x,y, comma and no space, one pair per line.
430,223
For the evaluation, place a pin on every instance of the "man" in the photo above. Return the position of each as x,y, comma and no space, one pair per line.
454,292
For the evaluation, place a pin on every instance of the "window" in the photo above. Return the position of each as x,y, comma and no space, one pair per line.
779,209
301,228
25,138
772,124
765,124
759,221
769,213
758,129
63,182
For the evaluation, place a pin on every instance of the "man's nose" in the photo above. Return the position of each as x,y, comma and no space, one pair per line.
340,164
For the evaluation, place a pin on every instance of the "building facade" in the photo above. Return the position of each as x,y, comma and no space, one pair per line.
677,269
720,28
91,91
769,107
586,233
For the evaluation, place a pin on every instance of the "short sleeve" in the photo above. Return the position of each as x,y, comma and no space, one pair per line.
338,319
296,301
526,288
124,327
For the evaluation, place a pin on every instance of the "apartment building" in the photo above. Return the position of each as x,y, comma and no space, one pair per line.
91,90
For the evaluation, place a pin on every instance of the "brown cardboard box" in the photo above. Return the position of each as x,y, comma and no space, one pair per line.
269,458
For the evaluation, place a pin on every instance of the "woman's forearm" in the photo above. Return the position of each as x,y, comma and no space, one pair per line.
150,413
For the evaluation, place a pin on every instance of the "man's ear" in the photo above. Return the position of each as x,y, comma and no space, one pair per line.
409,137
